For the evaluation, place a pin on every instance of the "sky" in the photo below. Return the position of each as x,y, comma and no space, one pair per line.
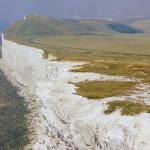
11,10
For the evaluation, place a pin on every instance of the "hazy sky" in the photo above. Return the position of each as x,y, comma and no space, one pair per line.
14,9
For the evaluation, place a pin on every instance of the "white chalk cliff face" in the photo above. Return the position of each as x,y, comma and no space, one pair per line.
25,64
67,121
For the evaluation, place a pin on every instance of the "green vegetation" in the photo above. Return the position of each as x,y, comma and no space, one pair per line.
127,107
13,121
123,28
104,89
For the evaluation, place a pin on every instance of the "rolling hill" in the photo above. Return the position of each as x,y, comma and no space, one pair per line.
35,26
81,38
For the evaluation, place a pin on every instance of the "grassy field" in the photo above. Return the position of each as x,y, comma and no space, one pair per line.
96,47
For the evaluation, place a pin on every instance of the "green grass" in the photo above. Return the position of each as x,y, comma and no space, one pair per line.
127,107
104,89
13,120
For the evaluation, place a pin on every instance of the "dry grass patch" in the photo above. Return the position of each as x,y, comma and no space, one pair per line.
138,69
104,89
127,107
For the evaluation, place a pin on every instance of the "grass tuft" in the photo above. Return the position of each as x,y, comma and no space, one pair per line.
127,107
104,89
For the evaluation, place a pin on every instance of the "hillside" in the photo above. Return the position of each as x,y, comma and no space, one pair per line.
37,26
82,38
33,26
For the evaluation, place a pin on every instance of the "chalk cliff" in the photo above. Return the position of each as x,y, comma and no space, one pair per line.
26,64
66,120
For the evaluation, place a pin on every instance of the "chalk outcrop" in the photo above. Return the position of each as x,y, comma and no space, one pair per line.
66,120
26,64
